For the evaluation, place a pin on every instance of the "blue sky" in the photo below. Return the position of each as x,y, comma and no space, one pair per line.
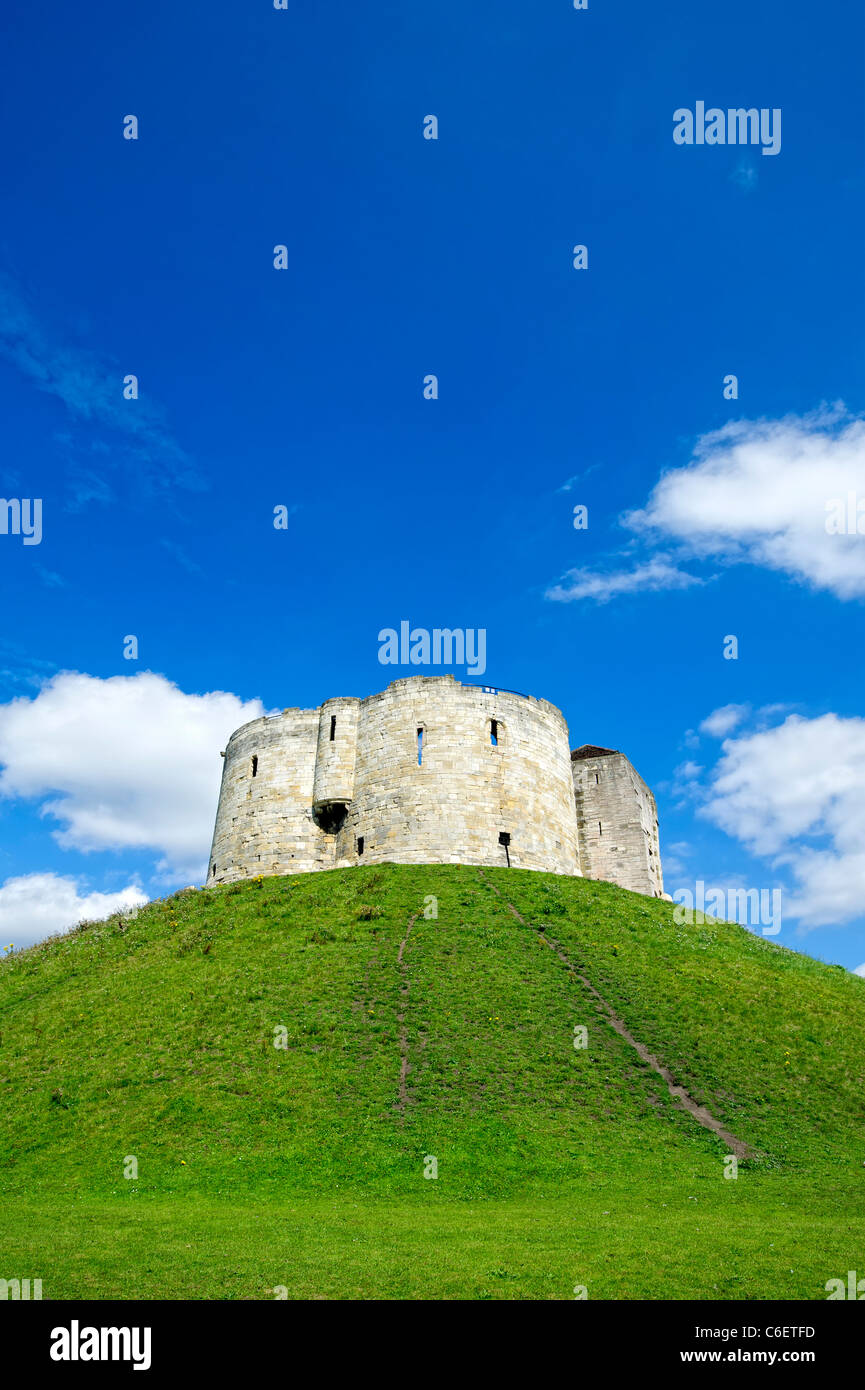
557,387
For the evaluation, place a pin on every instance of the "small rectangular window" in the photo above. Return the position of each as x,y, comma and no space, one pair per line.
494,733
420,747
600,828
255,764
332,727
360,844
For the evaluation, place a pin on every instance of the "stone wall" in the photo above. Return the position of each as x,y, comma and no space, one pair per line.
617,821
264,824
429,771
449,794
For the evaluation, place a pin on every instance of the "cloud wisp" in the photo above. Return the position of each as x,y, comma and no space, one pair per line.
654,574
91,391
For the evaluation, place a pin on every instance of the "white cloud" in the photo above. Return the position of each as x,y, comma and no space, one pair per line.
675,859
757,491
860,969
567,486
688,771
34,906
130,762
722,720
656,573
795,793
685,787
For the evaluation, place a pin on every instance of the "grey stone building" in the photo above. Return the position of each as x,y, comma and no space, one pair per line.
431,771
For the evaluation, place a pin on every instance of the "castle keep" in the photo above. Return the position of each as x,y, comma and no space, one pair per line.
430,771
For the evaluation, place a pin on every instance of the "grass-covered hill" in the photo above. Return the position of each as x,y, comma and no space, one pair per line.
283,1058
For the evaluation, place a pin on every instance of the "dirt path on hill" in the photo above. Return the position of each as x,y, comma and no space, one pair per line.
686,1101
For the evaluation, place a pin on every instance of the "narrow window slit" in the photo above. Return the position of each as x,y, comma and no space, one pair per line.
420,747
494,733
255,764
360,844
332,727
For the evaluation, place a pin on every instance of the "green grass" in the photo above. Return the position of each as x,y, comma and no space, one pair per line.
303,1165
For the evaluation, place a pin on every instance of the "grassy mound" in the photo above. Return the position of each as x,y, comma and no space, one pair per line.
286,1062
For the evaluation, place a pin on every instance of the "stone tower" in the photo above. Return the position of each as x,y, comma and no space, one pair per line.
617,821
430,771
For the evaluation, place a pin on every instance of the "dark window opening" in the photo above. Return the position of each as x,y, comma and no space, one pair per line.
600,828
360,844
332,727
505,839
420,747
597,778
255,764
330,817
494,734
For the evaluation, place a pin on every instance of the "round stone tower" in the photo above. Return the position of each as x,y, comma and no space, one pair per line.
429,771
264,823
